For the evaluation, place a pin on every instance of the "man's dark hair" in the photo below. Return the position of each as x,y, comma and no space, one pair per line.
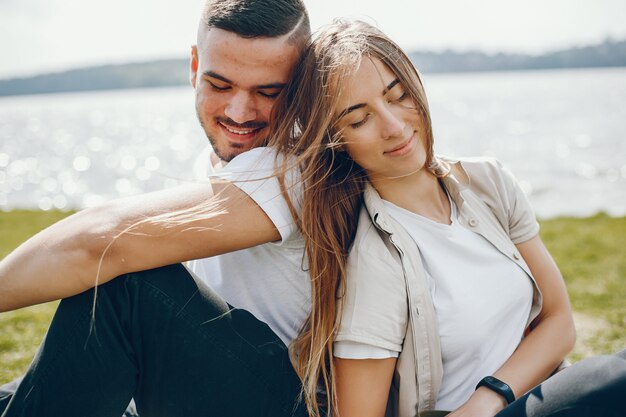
258,18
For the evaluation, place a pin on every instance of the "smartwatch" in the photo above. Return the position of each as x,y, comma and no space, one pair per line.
497,386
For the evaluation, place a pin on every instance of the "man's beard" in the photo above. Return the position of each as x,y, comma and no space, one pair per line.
227,157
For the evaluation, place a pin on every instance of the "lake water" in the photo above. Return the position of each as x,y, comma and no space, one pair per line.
560,131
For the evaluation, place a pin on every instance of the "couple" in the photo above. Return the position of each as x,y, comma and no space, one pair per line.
402,282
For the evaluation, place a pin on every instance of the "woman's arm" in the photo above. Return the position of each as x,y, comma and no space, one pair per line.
552,336
363,386
98,244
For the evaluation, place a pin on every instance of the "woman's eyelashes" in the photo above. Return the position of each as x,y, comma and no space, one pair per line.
360,122
395,95
402,97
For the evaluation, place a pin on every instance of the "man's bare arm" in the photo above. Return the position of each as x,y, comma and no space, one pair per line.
128,235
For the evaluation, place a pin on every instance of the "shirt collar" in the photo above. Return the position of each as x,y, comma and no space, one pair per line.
455,182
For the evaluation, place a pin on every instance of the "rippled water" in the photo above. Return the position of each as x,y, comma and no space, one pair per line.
561,132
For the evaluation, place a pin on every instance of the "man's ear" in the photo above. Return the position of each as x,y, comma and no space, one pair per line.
193,66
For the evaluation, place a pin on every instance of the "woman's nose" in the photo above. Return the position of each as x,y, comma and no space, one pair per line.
393,124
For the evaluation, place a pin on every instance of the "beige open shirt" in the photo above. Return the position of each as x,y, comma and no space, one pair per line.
385,263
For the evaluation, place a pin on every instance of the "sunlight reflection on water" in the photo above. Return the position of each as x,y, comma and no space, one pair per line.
560,132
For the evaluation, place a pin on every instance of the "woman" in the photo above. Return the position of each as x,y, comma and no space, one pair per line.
449,299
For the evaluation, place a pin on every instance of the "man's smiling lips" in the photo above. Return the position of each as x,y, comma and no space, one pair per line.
240,134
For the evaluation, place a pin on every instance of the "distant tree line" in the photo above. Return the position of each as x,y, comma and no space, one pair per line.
162,73
174,72
607,54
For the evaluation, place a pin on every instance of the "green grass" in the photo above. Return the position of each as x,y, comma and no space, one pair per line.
591,253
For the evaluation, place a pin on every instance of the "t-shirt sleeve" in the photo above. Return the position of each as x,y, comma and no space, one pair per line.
253,172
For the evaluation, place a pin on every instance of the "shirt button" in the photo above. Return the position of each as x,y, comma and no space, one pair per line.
473,222
516,256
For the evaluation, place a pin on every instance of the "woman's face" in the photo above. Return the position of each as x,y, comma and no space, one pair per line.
381,128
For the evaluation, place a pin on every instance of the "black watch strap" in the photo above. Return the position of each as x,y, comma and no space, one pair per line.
498,386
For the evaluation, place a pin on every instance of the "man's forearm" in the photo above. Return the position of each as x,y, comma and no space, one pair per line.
143,232
53,264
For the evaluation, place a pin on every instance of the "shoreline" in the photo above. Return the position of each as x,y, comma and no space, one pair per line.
67,212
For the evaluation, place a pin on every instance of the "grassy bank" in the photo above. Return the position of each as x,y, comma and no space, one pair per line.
591,253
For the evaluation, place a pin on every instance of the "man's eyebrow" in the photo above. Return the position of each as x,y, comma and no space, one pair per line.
360,105
216,75
270,86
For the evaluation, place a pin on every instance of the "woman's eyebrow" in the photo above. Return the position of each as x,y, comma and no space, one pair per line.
390,86
358,106
350,109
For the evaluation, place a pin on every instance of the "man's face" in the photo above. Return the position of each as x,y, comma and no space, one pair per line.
236,82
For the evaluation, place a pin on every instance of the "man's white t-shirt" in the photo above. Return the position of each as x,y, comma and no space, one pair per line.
269,280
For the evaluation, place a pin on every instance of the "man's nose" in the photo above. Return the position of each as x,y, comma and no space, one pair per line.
241,108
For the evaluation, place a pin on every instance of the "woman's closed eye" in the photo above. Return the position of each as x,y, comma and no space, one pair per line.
402,97
360,122
397,94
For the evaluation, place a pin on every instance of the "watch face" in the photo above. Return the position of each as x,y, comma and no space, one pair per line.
496,383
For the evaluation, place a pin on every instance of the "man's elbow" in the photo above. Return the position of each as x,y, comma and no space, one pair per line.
89,243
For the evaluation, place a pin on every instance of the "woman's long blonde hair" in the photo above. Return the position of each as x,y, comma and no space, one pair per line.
303,128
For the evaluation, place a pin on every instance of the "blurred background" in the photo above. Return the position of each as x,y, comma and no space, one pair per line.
95,104
94,101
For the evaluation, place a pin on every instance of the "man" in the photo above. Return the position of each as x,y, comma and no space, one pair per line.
238,68
159,335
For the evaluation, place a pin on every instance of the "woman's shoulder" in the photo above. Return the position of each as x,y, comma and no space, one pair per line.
481,174
493,184
370,246
367,237
473,167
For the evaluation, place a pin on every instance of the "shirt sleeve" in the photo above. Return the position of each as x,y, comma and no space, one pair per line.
522,222
374,308
355,350
253,172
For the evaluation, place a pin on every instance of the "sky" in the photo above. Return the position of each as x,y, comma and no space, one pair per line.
38,36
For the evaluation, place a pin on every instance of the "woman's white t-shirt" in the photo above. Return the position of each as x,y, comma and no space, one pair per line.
482,300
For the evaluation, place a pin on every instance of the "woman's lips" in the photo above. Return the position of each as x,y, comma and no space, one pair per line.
403,148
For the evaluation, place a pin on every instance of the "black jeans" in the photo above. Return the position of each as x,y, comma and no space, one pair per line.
167,341
593,387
